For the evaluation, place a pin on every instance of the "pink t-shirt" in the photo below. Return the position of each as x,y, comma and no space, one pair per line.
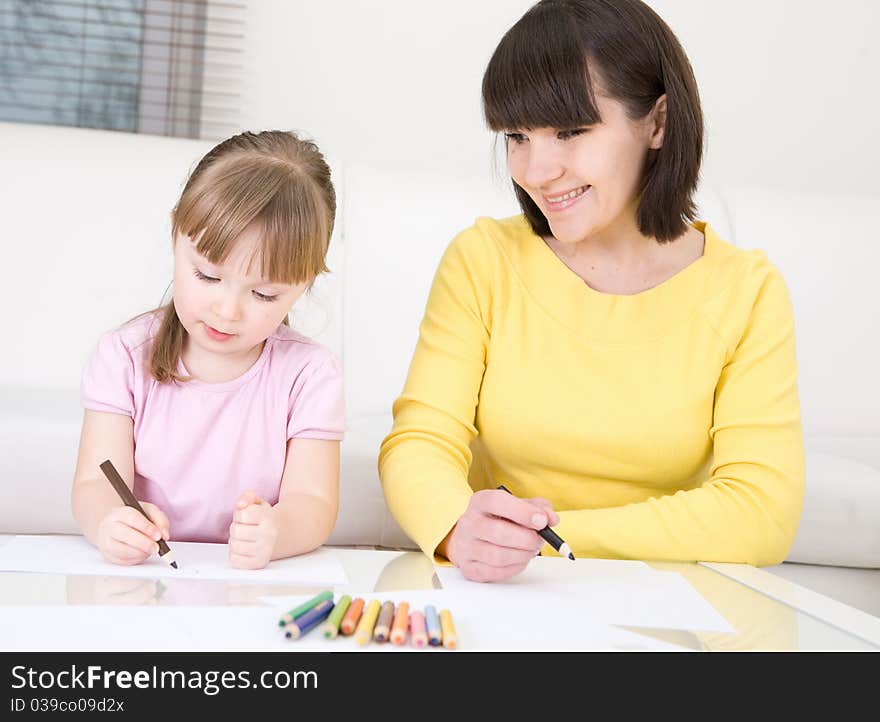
197,445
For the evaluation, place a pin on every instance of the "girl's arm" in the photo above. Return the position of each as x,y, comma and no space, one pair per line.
304,515
309,497
121,533
104,436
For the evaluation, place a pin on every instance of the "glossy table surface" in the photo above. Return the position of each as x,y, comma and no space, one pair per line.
766,611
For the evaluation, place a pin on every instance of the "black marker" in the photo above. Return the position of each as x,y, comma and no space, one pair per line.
550,536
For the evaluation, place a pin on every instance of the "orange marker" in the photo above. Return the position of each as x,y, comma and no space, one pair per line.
352,615
350,620
449,639
401,620
418,629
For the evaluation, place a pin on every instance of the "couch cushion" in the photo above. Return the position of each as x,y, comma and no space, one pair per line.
364,518
39,434
396,226
840,523
826,248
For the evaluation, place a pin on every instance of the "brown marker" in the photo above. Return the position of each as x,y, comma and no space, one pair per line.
383,624
128,498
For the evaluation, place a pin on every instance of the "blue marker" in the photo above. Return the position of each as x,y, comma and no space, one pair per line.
309,620
435,636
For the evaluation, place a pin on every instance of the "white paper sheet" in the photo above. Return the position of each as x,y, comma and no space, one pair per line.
627,593
74,555
492,620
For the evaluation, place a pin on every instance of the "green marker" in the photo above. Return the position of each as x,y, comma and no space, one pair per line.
330,628
304,607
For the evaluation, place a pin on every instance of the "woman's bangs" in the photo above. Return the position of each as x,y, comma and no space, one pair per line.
538,78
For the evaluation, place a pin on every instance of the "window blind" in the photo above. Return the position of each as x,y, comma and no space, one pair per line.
166,67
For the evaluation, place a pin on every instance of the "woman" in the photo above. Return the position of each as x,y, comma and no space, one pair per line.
628,375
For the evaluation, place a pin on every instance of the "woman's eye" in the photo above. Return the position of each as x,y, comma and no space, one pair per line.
264,297
515,137
202,277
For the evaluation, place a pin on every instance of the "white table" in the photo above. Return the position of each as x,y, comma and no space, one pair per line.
766,611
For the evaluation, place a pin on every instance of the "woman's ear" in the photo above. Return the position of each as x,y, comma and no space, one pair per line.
657,123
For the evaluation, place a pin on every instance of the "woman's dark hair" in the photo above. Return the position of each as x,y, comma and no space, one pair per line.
541,73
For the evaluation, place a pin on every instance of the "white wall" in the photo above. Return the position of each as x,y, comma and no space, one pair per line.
385,82
787,85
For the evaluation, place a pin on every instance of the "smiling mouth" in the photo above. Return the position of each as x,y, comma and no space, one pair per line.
569,195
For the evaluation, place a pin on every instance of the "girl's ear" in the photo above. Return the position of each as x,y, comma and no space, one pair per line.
657,123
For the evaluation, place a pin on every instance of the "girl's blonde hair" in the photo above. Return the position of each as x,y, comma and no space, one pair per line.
273,181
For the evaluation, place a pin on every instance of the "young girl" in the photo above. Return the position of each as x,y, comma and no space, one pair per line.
225,422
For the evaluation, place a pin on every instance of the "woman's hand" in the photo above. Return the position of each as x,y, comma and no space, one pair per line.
253,532
497,535
125,537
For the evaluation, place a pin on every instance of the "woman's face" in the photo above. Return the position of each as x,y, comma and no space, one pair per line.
585,180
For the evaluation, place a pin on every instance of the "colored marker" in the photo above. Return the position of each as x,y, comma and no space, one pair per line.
350,620
435,635
418,630
365,627
128,498
330,628
383,624
307,621
304,607
549,536
401,621
450,641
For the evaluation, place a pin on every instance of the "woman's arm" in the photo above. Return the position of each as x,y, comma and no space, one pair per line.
424,461
747,511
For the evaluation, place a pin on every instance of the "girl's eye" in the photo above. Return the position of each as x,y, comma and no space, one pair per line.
571,133
202,277
264,297
517,138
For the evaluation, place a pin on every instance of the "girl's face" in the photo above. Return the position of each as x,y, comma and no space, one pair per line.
585,180
228,309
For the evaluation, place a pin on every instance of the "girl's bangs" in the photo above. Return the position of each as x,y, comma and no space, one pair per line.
282,206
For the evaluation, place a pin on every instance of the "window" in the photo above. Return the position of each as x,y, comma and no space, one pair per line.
166,67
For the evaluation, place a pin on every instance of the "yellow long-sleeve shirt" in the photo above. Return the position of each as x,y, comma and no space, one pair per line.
663,425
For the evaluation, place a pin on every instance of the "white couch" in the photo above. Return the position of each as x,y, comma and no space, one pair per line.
87,246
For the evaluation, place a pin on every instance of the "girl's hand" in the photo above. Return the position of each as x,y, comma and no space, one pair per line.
497,536
252,533
126,537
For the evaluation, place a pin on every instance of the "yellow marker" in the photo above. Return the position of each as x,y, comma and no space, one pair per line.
448,628
364,631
